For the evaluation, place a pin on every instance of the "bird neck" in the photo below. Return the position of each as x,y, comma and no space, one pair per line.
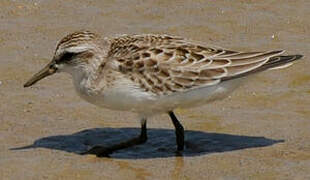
86,74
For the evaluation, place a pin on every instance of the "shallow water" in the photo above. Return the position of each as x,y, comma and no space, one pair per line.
260,132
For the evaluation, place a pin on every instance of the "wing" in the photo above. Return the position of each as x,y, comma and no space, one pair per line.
163,64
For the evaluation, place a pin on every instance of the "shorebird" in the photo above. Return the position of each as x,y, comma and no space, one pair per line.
151,74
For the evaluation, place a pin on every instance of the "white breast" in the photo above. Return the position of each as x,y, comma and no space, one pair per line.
124,95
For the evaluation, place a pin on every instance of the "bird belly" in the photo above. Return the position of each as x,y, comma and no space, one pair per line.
128,97
196,97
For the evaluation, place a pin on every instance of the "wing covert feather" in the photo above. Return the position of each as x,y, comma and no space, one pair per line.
164,64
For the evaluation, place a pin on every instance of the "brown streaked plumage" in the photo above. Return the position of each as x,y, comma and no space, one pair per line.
166,64
151,74
76,38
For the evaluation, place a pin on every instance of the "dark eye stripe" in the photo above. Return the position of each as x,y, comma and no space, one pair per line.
67,56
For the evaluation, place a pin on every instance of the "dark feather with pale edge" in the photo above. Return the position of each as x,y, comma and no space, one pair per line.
164,64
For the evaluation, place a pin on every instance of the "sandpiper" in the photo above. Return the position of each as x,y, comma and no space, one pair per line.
150,74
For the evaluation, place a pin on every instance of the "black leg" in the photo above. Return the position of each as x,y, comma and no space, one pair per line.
101,151
143,135
179,131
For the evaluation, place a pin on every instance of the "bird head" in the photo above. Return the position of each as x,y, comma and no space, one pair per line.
73,54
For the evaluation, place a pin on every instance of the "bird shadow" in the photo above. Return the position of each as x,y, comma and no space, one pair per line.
161,142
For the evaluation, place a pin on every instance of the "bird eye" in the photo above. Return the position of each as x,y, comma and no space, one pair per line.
67,56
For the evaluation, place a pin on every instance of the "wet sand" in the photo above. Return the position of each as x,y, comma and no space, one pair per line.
260,132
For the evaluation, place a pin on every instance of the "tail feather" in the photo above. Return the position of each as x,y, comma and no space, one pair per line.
276,62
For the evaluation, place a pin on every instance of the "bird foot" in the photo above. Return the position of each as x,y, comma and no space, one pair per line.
178,153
